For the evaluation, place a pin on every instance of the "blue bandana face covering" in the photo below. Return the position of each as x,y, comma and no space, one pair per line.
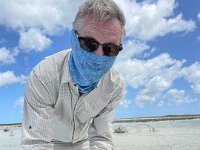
85,67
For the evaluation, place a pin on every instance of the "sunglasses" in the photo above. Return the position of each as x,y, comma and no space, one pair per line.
90,45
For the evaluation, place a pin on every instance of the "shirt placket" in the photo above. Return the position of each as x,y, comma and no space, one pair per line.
75,99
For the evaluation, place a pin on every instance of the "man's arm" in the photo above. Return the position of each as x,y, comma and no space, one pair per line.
37,115
100,131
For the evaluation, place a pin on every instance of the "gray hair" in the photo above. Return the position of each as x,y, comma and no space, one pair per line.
102,10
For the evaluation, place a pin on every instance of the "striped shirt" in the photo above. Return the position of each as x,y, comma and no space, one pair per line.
55,112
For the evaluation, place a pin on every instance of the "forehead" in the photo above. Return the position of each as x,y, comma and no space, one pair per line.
106,31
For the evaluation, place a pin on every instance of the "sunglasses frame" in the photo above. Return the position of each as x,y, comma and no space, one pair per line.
114,50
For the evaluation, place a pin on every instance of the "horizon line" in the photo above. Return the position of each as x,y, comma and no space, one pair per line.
140,119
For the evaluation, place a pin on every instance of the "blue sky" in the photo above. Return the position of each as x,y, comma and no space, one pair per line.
160,61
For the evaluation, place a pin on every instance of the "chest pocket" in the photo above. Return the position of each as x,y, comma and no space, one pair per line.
90,106
63,103
63,116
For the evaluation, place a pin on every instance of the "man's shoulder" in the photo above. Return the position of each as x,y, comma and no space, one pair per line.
52,65
56,58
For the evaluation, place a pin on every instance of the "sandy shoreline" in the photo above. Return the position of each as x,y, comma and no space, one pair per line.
158,118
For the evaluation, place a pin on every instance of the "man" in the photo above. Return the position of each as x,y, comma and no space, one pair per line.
71,96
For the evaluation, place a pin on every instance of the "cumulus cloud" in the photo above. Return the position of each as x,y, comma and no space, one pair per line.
149,20
146,20
192,75
8,56
140,72
9,77
125,103
154,78
179,96
37,20
33,39
49,15
19,102
134,48
153,90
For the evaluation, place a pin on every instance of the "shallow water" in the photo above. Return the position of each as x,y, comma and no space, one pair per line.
163,135
10,140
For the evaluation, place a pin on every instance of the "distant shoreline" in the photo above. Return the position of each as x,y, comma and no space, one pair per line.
158,118
139,119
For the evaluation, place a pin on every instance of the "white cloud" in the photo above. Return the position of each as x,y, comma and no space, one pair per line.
192,74
153,77
8,56
19,102
133,48
51,16
9,78
153,89
146,20
33,39
125,103
141,72
37,20
179,96
154,80
149,20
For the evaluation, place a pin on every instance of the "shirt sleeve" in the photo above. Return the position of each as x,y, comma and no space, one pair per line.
37,115
100,131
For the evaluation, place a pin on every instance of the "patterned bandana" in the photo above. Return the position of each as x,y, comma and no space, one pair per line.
85,67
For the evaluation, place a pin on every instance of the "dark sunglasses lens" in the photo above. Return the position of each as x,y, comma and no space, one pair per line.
111,49
88,44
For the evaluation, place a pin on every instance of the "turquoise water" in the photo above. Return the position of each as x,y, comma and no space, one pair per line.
11,140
